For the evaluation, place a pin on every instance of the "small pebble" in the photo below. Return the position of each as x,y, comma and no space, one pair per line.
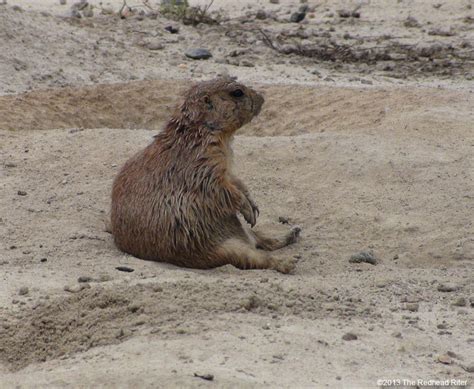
460,302
198,54
448,287
349,336
261,14
364,256
82,279
23,291
445,359
412,307
125,269
21,193
155,46
297,17
207,377
172,29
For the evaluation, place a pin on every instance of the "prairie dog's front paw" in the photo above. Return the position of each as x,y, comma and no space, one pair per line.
248,213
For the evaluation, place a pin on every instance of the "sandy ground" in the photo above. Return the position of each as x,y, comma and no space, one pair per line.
362,158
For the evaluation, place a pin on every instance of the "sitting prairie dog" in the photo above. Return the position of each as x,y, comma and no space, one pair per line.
177,201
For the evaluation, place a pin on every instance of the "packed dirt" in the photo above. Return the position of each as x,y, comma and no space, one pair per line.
372,156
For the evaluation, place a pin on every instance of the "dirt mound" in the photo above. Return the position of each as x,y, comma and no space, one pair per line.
148,105
101,316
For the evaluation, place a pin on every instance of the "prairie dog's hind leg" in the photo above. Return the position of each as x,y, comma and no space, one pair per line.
242,255
271,244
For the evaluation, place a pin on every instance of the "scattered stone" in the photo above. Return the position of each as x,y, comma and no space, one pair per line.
344,13
43,260
21,193
364,256
460,302
62,2
412,307
266,326
155,46
442,326
297,17
445,359
261,15
198,54
10,164
252,303
411,22
283,220
468,368
207,377
397,335
125,269
349,336
247,63
274,1
471,301
448,287
23,291
172,29
82,279
76,288
441,32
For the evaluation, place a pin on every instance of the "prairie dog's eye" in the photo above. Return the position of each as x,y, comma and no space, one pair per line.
237,93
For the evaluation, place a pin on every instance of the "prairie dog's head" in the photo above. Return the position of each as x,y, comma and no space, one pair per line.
220,105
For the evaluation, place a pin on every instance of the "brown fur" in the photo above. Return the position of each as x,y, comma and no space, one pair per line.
177,200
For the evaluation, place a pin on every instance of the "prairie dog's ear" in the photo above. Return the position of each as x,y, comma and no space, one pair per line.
207,100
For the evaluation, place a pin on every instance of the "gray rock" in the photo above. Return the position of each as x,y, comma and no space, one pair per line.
460,302
349,336
364,256
62,2
297,17
448,287
412,307
261,14
247,63
411,22
155,46
23,291
198,53
84,279
441,32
